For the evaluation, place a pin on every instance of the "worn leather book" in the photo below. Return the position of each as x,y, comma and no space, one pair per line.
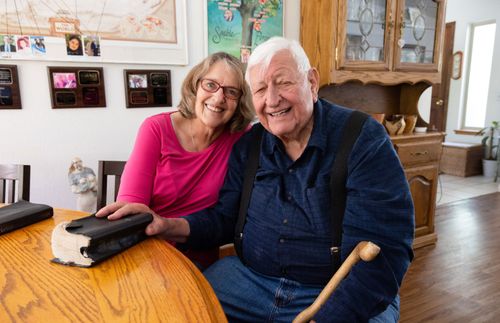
89,240
21,214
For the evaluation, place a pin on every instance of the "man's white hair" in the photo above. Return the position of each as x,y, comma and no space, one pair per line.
265,52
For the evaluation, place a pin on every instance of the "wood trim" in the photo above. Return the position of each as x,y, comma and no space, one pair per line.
317,35
384,78
467,132
426,240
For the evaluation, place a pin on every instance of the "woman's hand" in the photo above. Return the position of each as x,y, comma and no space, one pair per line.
169,229
118,210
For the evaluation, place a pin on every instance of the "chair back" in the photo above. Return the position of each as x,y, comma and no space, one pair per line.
14,183
108,168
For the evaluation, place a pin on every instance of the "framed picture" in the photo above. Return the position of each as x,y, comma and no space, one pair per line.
148,88
117,31
238,26
138,81
10,96
64,80
456,71
76,87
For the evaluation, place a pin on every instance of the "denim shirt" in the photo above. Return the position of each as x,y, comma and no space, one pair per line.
288,234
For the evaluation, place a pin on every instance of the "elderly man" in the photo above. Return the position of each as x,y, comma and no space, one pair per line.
285,259
8,44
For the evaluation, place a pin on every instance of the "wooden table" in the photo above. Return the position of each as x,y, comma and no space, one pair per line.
150,282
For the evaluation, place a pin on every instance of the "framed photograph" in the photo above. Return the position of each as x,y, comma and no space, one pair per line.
117,31
456,71
37,45
64,80
138,81
148,88
74,45
10,96
92,45
76,87
228,22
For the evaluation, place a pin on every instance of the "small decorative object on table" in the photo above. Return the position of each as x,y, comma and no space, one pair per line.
411,121
395,124
83,182
420,129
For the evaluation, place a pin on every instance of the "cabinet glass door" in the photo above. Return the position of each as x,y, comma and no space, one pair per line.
418,34
364,40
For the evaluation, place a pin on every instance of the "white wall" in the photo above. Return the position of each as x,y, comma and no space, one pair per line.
464,13
48,139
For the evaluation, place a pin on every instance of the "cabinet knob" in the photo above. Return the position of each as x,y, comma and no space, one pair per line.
439,102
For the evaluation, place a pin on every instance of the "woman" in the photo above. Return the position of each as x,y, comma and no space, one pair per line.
180,158
74,45
23,45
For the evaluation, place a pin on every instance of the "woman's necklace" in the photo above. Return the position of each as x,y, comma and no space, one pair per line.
191,133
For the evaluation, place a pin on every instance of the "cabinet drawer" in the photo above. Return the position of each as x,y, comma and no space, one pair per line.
418,152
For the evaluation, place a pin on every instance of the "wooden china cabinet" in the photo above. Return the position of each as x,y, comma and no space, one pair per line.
379,56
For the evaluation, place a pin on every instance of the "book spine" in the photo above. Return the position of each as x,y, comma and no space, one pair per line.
26,220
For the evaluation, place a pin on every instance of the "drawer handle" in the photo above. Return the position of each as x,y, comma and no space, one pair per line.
420,153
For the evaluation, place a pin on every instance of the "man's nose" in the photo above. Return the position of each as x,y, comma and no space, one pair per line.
272,96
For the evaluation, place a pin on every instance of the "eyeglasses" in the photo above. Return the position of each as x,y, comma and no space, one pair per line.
212,87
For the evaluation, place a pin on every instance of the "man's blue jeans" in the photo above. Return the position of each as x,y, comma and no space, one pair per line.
247,296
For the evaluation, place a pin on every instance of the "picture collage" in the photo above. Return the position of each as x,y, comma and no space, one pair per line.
22,45
25,46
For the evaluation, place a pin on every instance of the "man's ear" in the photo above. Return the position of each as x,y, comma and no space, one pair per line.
313,78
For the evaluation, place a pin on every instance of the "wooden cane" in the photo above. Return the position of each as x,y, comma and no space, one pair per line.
366,251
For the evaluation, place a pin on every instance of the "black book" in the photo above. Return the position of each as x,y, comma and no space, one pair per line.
21,214
89,240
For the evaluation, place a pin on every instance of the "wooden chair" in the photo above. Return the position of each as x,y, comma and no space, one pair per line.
108,168
14,183
227,250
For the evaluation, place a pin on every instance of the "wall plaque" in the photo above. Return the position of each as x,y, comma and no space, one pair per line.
77,87
10,97
148,88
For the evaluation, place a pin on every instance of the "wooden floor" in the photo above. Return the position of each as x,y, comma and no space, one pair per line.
458,279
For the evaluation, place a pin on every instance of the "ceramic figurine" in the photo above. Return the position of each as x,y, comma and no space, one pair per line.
83,183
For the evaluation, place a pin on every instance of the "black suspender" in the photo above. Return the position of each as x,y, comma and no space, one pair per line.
248,179
338,179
